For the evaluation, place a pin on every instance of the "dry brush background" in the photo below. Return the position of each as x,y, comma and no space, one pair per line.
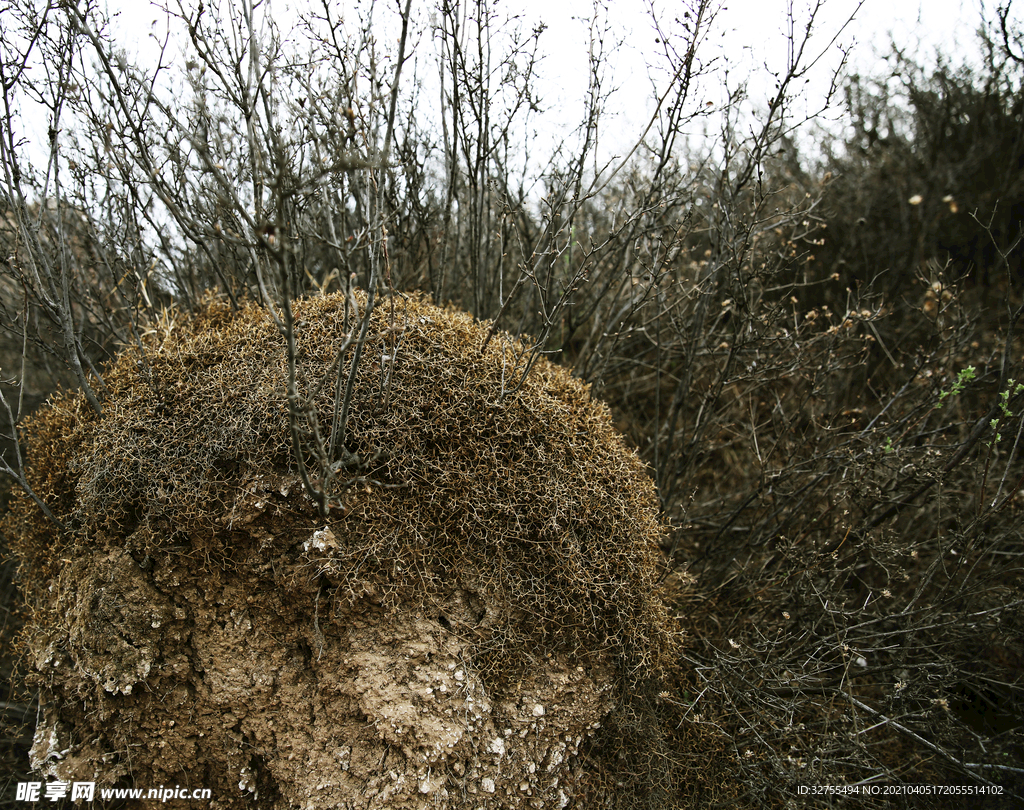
811,339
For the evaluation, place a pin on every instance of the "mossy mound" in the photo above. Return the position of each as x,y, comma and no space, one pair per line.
508,534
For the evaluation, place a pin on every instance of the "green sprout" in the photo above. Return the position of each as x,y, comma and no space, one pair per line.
1012,389
965,375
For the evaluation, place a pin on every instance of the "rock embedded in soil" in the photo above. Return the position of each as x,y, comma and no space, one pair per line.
476,597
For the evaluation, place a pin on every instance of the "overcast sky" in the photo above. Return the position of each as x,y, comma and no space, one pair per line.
750,40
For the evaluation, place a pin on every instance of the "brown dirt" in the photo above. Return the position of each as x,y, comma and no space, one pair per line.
216,684
477,601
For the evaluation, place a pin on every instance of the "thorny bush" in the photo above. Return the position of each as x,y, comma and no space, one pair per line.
818,357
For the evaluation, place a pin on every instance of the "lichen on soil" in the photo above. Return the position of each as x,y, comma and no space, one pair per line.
476,598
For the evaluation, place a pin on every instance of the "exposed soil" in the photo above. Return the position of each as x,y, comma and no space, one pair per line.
475,604
245,687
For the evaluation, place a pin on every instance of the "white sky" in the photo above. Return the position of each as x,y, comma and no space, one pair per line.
750,39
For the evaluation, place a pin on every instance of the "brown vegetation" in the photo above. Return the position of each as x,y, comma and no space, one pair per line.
817,357
478,600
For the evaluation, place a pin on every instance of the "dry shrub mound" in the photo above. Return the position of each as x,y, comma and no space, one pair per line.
479,598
